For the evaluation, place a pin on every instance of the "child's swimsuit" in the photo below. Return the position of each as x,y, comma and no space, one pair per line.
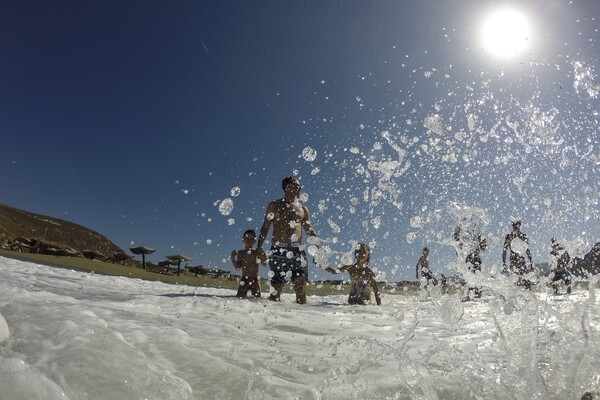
252,284
359,292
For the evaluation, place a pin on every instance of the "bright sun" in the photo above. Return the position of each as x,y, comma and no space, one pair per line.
505,33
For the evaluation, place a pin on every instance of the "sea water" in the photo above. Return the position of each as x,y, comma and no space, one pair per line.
76,335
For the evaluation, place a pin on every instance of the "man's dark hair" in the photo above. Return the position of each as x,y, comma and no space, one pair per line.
250,232
288,180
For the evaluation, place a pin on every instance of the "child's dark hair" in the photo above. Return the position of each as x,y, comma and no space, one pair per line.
250,232
288,180
365,249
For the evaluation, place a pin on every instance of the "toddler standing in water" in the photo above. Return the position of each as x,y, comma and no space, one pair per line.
248,259
361,277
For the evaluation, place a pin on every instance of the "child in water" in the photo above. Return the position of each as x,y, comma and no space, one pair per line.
361,277
248,259
562,261
425,271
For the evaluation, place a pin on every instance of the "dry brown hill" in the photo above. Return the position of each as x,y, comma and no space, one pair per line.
53,231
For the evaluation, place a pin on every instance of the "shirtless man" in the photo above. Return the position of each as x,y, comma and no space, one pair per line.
248,260
425,271
287,259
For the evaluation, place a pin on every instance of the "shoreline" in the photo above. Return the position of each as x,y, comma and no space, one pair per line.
103,268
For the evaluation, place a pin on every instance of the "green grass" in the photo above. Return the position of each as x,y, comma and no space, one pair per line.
105,268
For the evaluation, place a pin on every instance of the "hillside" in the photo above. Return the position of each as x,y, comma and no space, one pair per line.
54,232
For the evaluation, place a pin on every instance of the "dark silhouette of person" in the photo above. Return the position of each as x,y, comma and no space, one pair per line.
516,245
561,271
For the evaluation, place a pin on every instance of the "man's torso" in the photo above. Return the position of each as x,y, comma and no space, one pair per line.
288,220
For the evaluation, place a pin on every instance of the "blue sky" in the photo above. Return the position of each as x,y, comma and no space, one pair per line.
136,119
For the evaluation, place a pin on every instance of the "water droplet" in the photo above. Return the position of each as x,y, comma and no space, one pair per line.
416,222
309,154
347,258
226,206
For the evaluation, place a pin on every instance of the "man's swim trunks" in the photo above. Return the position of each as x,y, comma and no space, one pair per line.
288,263
561,274
427,274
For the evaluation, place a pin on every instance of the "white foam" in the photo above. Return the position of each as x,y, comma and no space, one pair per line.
4,331
76,335
19,380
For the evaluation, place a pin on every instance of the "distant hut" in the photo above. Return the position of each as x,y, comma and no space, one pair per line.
121,257
93,255
178,258
143,250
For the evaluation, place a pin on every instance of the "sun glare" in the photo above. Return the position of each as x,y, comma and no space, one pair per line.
505,33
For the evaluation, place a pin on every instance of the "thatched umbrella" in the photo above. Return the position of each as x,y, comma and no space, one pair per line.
93,255
143,250
166,264
178,258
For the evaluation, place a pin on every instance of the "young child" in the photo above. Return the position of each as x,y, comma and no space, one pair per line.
474,265
561,263
248,259
425,271
361,277
516,246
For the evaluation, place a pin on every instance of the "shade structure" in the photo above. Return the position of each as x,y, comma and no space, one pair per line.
93,255
165,263
143,250
178,258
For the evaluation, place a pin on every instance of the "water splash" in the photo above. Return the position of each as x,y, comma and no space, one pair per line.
584,80
309,154
226,206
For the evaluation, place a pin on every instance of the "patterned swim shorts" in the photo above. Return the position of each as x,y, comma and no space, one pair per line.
288,263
